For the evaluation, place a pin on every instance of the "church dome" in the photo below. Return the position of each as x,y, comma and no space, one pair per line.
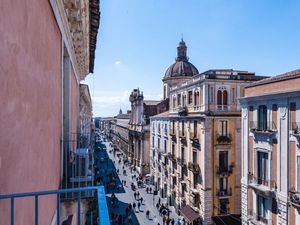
182,66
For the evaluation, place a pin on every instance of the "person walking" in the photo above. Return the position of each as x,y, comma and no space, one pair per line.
134,205
164,220
159,201
147,214
139,206
141,199
150,190
172,221
134,195
138,195
168,221
147,189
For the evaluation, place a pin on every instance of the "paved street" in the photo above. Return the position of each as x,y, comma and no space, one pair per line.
108,163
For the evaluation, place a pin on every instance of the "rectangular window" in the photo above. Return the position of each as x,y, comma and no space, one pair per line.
165,143
195,128
233,95
195,157
223,128
179,100
262,117
182,128
262,168
190,97
182,153
223,161
174,101
261,208
211,94
183,100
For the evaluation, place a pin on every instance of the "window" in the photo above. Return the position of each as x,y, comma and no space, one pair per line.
184,100
262,168
196,98
223,128
195,156
173,148
178,99
262,117
190,97
174,101
223,161
222,99
211,99
153,141
196,180
223,182
261,208
182,153
233,95
195,128
182,128
223,206
158,125
166,129
165,145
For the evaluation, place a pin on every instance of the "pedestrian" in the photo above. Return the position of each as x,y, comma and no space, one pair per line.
147,214
139,205
129,206
172,221
125,183
157,206
159,201
134,205
164,220
168,221
138,195
141,200
134,195
147,189
150,190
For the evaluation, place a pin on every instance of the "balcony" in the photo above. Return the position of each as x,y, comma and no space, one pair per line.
295,199
183,139
261,185
262,127
172,132
171,156
224,193
181,162
296,129
183,111
223,139
225,171
194,167
38,200
255,218
195,140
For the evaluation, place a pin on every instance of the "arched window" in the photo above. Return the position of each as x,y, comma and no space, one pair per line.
225,97
219,97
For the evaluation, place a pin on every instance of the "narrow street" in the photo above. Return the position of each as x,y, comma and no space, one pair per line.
109,164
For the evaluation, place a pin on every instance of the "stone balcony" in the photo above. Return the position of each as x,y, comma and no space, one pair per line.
261,185
294,197
194,167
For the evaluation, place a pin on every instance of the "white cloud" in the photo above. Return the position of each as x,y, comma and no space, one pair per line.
117,62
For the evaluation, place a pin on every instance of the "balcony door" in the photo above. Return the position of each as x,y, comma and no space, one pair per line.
261,208
262,168
262,117
223,161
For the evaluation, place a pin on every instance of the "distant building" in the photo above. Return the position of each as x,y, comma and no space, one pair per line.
139,128
271,151
195,146
120,130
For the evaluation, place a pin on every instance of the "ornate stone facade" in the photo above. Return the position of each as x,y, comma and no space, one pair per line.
270,151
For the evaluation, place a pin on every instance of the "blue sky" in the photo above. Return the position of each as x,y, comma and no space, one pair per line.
137,42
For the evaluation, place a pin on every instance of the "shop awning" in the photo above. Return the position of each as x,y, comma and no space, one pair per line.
189,214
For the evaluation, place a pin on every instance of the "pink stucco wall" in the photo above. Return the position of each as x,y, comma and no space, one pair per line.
30,105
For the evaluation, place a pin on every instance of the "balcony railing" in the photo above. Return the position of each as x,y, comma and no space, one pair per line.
183,140
256,218
262,184
38,197
222,107
183,111
225,171
295,198
296,128
194,167
223,138
224,193
181,162
171,156
262,126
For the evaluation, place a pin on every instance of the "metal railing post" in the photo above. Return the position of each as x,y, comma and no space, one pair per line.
58,209
36,200
78,208
12,213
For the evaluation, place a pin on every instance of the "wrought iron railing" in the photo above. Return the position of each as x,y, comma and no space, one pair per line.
261,181
194,167
102,212
252,215
224,193
227,170
294,197
223,138
296,128
262,126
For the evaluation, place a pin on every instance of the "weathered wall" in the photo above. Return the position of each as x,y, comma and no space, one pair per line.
74,103
30,70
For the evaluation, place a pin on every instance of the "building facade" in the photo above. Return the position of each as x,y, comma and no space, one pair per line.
120,131
139,129
195,146
47,48
270,151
